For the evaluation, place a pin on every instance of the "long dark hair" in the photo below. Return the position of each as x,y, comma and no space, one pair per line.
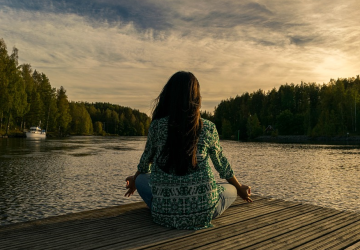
180,100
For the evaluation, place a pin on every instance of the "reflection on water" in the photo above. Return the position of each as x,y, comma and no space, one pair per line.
325,175
41,178
52,177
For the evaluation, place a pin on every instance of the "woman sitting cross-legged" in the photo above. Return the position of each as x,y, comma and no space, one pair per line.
174,177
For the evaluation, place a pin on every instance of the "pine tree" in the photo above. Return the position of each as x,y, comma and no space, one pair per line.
12,89
81,123
63,110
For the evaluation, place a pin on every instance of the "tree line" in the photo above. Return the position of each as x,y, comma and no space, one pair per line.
28,99
302,109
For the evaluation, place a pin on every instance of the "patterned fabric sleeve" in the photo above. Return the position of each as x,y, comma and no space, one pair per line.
149,152
220,162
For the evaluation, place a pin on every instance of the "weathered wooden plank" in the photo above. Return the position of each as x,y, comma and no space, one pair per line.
269,213
307,233
44,231
64,235
129,236
253,210
75,218
264,224
152,234
231,220
337,239
130,225
281,229
66,226
278,227
354,246
202,237
79,220
196,241
229,231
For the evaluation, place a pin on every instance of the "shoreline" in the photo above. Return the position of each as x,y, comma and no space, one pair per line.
53,135
262,138
307,139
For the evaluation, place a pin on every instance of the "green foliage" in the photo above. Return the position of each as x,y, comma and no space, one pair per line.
63,108
81,123
206,115
98,128
27,99
226,131
33,117
303,109
285,121
253,127
12,88
118,120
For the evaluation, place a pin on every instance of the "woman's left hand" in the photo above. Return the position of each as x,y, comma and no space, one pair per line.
244,192
130,186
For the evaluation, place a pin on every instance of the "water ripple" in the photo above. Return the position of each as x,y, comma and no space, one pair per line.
45,178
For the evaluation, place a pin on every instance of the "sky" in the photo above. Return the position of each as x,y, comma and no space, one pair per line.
123,52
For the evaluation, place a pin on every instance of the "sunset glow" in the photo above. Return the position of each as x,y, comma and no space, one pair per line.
123,52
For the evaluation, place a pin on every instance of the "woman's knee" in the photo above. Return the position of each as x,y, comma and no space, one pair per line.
142,180
226,198
230,191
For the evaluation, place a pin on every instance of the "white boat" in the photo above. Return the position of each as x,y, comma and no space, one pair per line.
36,132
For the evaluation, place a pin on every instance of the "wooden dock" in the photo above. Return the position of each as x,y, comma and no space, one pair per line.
263,224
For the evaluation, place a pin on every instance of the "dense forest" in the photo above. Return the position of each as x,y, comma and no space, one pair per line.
303,109
27,99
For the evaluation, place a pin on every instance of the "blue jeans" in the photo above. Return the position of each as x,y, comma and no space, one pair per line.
226,198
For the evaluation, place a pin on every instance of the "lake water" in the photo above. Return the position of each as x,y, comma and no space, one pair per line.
42,178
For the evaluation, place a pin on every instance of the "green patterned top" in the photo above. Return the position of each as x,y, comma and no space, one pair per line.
189,201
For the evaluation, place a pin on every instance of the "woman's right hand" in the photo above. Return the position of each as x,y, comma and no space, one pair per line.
130,186
244,192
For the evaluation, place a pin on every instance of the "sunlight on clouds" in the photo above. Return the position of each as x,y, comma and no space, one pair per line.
330,65
231,47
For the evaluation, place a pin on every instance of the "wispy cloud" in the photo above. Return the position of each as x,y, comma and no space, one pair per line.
124,51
